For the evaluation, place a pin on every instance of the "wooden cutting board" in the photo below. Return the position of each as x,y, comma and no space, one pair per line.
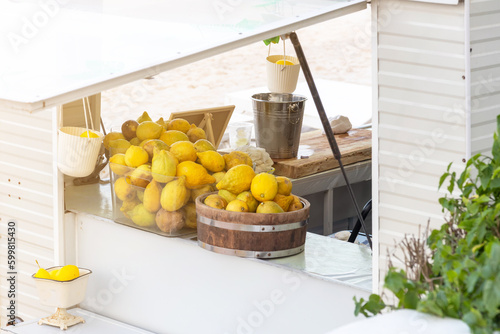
315,154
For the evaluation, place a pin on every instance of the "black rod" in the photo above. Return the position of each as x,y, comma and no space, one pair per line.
326,124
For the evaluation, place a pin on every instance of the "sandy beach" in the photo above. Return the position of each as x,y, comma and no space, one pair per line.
338,50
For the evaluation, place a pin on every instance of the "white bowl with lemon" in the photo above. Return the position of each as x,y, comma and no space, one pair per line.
61,287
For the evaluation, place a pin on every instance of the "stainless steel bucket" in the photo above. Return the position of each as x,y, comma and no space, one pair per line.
278,123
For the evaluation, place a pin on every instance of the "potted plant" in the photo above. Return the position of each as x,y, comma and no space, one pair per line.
455,272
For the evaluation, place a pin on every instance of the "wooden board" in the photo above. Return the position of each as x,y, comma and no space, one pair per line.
213,120
316,156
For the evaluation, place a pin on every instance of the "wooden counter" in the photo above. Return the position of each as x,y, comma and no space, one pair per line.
315,154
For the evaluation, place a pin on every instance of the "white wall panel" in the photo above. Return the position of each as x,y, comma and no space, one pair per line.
485,72
421,113
27,196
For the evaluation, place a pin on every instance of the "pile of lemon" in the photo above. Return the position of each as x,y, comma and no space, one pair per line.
161,167
241,190
66,273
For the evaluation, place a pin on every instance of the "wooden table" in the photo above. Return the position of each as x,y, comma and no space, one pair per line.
315,170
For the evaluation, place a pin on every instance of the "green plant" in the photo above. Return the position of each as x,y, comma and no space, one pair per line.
456,272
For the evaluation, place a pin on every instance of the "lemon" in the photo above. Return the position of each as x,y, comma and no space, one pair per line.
284,185
118,165
129,128
163,123
202,145
179,124
136,156
237,179
248,198
67,273
200,191
212,161
218,176
135,141
196,175
295,205
89,134
175,194
189,211
164,166
215,201
129,206
42,273
151,144
183,151
123,190
149,130
283,201
152,194
140,176
172,136
53,274
142,217
195,133
227,195
264,187
269,207
118,146
284,62
144,117
110,137
237,206
236,158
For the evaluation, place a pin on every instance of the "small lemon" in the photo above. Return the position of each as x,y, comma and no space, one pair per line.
53,274
149,130
110,137
183,151
124,190
42,273
283,201
295,205
118,146
136,156
237,179
284,62
284,185
89,134
144,117
218,176
172,136
269,207
237,206
67,273
179,124
212,161
196,175
202,145
195,133
264,187
248,198
236,158
215,201
227,195
118,165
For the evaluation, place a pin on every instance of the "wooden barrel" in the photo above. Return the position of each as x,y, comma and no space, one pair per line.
247,234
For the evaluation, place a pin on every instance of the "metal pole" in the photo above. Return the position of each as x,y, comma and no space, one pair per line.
326,125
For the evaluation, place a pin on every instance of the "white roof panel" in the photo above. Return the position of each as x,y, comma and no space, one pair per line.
57,51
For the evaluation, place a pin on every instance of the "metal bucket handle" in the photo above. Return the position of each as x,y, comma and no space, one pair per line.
293,108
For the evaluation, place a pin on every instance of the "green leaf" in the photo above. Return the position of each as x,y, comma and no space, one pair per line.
274,40
410,300
474,318
430,306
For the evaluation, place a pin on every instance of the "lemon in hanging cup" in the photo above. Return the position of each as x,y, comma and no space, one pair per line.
282,73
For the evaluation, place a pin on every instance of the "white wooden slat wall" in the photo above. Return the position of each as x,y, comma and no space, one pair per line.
421,113
485,72
27,196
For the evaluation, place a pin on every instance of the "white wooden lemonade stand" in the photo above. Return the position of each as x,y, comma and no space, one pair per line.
436,106
59,53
